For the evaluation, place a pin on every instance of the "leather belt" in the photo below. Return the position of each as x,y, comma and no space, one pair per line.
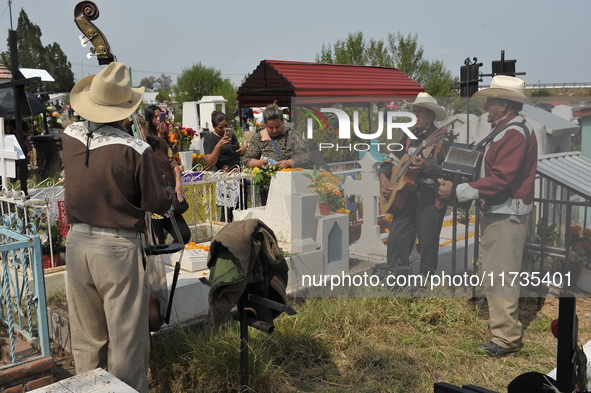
90,230
425,181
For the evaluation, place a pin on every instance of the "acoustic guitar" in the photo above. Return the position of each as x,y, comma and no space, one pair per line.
402,179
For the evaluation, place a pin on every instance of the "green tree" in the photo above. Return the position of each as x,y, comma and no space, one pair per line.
355,50
402,52
58,66
164,82
32,54
199,81
148,82
163,96
409,58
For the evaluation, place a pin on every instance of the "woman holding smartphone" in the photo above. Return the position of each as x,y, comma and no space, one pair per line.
222,152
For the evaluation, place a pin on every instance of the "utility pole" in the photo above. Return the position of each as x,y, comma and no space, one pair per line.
469,78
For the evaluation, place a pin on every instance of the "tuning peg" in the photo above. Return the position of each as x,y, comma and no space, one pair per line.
83,40
91,53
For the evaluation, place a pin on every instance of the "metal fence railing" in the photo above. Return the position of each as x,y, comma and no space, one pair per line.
23,308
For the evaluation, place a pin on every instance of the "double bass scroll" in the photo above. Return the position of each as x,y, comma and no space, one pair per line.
84,13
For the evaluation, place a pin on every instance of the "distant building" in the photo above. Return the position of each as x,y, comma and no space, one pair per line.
5,75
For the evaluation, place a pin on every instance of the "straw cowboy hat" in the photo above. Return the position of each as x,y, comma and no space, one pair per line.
106,96
424,100
505,87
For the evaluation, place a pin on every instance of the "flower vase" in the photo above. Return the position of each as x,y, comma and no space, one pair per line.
324,208
584,280
186,158
263,193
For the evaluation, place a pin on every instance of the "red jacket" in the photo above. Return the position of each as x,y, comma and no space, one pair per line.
507,184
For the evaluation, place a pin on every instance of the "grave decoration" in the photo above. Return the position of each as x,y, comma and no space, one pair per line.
328,189
261,178
581,255
180,137
52,244
199,162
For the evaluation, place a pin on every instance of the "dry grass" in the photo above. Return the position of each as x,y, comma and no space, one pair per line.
364,344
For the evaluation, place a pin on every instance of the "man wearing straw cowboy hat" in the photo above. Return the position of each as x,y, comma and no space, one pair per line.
505,191
113,179
421,214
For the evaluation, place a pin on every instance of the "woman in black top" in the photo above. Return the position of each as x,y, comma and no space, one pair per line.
222,152
172,172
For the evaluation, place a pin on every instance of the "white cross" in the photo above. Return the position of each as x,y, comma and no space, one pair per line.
369,189
8,156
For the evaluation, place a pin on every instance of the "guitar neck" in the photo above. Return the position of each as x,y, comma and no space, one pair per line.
414,154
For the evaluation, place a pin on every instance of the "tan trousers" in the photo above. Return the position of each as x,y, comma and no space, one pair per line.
502,242
108,306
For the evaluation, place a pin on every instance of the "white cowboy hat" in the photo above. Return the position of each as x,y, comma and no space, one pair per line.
106,96
424,100
505,87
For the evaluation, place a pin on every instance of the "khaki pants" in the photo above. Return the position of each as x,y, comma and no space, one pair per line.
108,306
502,242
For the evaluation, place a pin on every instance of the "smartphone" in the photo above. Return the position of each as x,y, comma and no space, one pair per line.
162,117
229,132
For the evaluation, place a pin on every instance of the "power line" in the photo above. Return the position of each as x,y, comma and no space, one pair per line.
144,71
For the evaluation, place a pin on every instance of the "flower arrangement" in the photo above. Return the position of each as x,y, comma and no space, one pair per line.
199,161
180,137
54,118
325,185
581,245
262,176
51,239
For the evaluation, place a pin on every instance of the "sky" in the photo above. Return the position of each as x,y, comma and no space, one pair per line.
549,39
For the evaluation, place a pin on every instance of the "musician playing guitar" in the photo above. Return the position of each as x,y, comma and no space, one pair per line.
420,212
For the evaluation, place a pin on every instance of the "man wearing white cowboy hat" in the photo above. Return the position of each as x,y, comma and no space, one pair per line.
422,214
506,189
113,179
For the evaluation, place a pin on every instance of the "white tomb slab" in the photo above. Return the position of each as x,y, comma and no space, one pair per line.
95,381
190,299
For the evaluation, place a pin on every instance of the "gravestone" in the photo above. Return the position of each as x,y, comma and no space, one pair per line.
9,153
317,244
368,188
208,104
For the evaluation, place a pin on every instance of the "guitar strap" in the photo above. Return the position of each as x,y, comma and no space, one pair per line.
438,203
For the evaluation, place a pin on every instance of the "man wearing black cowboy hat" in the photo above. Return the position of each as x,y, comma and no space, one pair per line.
112,180
506,192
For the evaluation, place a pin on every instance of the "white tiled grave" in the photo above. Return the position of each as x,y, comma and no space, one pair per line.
95,381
